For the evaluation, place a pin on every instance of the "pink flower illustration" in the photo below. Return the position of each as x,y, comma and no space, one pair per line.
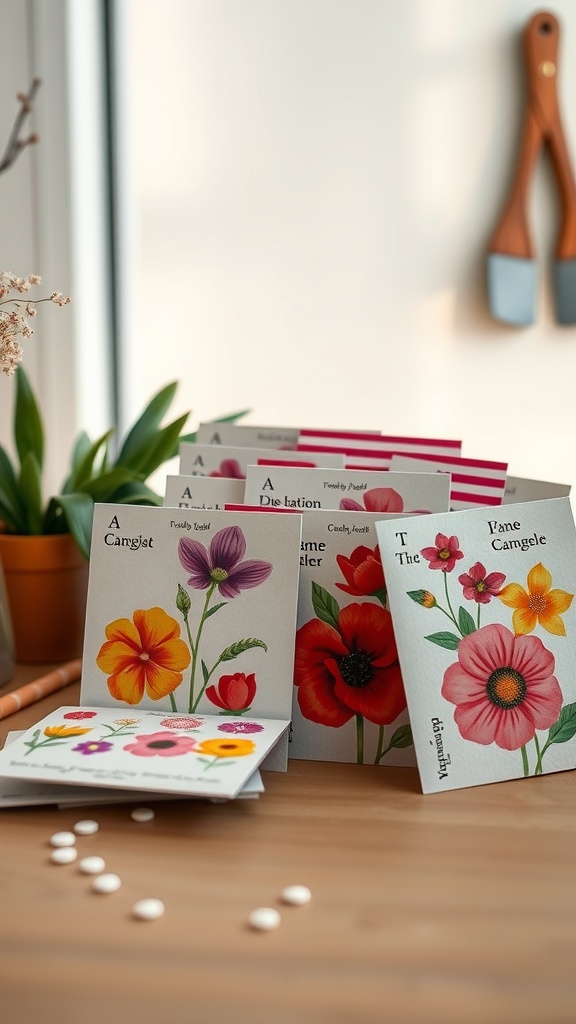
444,554
78,715
239,727
184,722
379,499
165,744
222,564
503,687
478,586
229,468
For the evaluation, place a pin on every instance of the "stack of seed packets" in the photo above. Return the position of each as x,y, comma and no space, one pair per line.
229,461
188,656
482,603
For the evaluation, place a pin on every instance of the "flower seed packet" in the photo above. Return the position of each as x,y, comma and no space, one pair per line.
220,461
244,435
346,441
187,755
192,612
349,490
349,701
519,489
202,491
26,793
482,603
475,482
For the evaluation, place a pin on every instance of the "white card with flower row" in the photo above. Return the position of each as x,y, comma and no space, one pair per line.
192,755
191,611
485,624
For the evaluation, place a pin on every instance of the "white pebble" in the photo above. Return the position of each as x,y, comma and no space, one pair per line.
65,855
297,895
86,827
91,865
106,883
62,839
264,919
148,910
142,814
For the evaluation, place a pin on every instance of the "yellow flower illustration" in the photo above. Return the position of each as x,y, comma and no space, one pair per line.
61,731
226,748
539,604
144,656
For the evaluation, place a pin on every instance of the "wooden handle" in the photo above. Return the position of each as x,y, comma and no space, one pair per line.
541,46
512,235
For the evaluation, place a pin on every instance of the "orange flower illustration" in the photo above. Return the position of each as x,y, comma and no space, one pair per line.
539,604
226,748
143,656
63,731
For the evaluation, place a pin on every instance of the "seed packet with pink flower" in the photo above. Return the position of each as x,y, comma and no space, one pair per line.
192,611
483,609
231,461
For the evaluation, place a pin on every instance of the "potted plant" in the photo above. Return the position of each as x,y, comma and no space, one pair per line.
38,535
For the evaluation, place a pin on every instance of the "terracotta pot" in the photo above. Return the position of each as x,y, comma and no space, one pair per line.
46,582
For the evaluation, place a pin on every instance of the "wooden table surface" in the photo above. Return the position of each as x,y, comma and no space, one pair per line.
456,908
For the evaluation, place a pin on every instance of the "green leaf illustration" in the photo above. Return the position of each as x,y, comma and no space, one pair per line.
402,737
565,727
239,647
466,622
205,672
444,639
215,608
326,607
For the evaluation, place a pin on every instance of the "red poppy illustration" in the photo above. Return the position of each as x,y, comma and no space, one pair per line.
351,669
444,554
480,587
234,693
362,571
378,499
503,686
229,468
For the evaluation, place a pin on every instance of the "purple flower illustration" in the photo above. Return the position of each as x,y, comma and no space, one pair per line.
222,564
93,747
238,727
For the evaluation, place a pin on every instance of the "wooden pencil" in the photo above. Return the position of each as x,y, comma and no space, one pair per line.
39,688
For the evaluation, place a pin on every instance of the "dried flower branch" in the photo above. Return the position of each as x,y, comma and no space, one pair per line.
14,318
15,144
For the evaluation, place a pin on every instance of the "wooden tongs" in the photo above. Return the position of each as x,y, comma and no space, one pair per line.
512,282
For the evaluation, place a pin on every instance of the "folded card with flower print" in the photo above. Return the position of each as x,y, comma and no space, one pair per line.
192,611
347,489
229,461
202,491
187,755
349,702
482,603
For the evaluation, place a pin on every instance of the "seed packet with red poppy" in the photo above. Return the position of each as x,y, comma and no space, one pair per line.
474,482
202,491
192,610
346,489
483,608
229,461
349,701
147,751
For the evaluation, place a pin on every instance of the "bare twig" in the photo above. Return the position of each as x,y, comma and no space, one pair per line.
15,144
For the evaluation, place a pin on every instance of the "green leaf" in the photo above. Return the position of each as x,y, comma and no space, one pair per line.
326,607
205,672
78,512
145,428
84,471
448,640
30,485
215,609
28,429
104,486
466,622
135,492
12,509
239,647
565,727
161,447
401,738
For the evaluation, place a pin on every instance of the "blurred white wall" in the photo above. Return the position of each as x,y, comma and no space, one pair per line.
311,187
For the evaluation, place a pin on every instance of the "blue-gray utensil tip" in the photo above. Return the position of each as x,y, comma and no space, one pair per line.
565,291
512,289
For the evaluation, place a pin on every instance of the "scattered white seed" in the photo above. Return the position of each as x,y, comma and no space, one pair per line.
148,910
297,895
91,865
65,855
142,814
106,883
264,919
62,839
86,827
